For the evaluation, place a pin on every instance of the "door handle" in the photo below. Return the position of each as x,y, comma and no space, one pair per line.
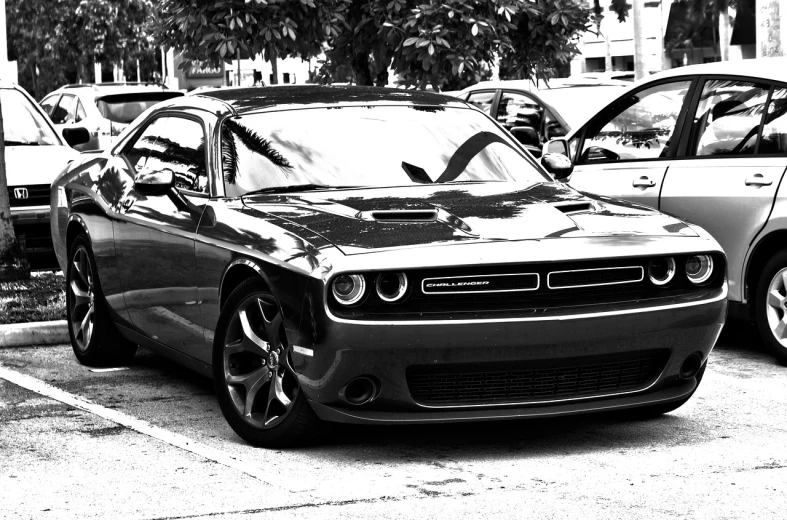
758,180
643,182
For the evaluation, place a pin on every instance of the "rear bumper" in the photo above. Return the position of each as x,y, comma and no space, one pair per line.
384,352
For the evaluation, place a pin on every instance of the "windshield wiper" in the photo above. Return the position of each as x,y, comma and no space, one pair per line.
296,187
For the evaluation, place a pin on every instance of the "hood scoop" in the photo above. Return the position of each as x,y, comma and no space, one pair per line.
568,208
406,215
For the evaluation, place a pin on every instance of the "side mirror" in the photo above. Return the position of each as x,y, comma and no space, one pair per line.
76,135
526,135
558,165
154,182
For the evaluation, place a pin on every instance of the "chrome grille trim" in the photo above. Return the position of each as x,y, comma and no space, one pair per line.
424,291
633,280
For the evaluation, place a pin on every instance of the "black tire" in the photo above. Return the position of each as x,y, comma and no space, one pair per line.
94,338
250,353
656,410
770,309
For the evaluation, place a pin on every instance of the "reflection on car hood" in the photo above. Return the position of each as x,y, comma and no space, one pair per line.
359,220
31,165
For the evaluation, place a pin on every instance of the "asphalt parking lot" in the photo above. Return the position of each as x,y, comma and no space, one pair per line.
149,442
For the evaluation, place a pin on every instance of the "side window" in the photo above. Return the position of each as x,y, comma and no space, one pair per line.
180,147
137,154
70,105
482,100
80,112
552,127
519,110
728,118
774,132
638,126
60,112
48,104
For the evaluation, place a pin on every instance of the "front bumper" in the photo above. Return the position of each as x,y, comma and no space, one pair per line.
384,351
32,230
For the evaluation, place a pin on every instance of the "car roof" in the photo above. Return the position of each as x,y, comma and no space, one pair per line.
552,84
249,99
774,69
102,89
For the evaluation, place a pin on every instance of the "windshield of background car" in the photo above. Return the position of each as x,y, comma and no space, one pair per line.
577,104
25,126
124,108
368,146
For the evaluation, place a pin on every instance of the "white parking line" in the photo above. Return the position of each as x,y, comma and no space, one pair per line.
143,427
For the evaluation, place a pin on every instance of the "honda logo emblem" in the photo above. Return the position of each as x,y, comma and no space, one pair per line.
20,193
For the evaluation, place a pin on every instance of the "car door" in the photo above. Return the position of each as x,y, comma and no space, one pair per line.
154,234
734,159
626,149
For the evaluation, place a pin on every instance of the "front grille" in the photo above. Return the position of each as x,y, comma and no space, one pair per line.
535,381
37,195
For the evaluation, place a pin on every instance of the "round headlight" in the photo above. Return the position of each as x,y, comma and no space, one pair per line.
661,271
699,268
391,287
349,288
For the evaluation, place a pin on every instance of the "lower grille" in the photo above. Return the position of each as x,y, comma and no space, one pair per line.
534,380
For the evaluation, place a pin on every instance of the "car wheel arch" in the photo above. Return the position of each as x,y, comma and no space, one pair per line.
237,272
75,227
765,248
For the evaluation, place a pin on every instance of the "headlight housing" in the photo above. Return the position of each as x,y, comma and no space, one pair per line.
391,287
661,271
348,289
699,268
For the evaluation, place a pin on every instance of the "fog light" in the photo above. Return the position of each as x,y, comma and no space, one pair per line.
349,288
391,287
699,268
661,271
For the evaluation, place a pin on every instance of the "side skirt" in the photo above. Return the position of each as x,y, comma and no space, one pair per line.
169,353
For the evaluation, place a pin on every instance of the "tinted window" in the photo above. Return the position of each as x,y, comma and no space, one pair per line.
176,144
482,100
638,126
368,146
728,118
124,108
774,132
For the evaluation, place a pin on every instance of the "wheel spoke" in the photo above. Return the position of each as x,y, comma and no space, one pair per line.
80,296
253,389
250,379
86,326
278,391
780,328
775,299
251,341
784,280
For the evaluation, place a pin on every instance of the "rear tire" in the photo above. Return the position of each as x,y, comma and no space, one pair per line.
770,306
257,389
94,338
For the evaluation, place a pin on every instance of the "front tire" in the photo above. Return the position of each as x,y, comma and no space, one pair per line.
93,335
257,388
770,306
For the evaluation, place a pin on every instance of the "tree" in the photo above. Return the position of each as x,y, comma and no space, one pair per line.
13,263
228,29
56,42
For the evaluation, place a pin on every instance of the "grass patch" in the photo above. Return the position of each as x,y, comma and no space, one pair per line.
41,298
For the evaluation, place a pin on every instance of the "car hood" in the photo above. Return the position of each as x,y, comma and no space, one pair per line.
360,220
30,165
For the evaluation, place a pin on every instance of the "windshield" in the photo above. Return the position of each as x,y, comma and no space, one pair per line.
124,108
368,146
576,104
24,125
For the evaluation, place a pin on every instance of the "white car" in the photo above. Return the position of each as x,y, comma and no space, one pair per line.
104,109
35,154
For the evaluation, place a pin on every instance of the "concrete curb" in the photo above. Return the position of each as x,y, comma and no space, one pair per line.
36,333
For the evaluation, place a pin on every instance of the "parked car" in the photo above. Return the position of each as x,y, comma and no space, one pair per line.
105,109
619,75
707,143
34,155
368,255
535,113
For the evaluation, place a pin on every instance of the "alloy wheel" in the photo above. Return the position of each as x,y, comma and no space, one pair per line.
261,383
776,309
82,298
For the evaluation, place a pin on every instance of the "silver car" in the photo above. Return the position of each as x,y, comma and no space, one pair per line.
536,113
104,109
707,143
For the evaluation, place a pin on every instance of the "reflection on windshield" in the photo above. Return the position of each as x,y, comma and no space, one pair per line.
368,146
24,125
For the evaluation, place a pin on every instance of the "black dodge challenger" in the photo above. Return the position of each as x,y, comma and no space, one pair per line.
377,256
